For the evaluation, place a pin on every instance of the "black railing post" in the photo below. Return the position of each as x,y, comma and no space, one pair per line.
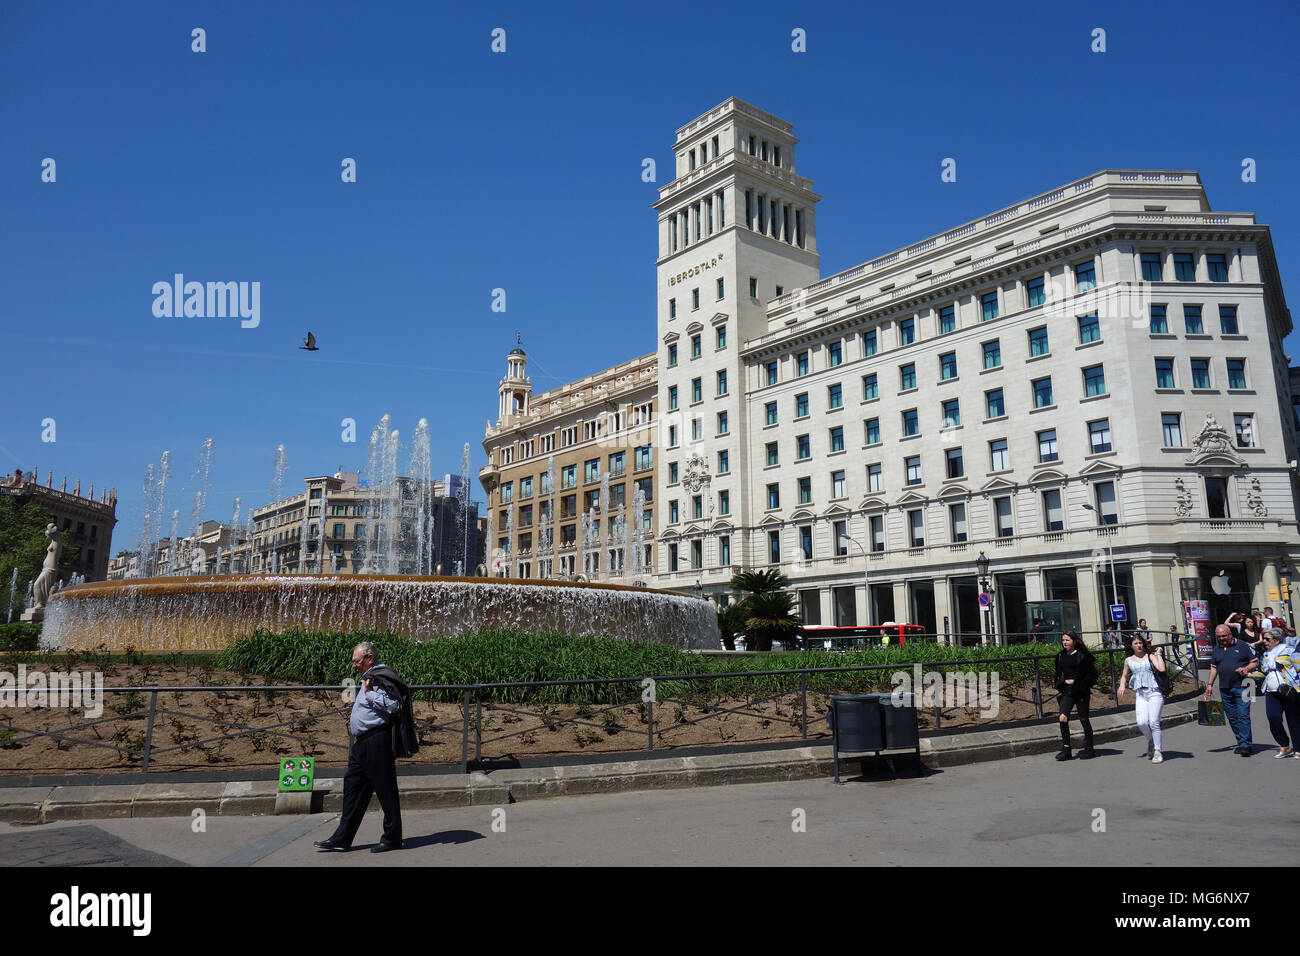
1038,688
464,734
1114,684
650,713
803,691
148,732
478,723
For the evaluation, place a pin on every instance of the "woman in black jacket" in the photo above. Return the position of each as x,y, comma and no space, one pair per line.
1076,672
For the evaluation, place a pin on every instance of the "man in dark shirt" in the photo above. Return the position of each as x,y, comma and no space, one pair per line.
1231,661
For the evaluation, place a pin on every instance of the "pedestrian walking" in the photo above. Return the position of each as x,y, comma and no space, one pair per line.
1281,692
1232,660
372,768
1076,673
1142,672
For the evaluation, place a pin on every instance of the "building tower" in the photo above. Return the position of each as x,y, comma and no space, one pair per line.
515,390
736,230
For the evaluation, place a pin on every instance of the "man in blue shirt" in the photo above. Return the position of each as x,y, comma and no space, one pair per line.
371,767
1231,661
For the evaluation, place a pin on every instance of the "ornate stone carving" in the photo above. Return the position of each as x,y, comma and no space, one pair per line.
46,581
1213,441
1183,503
1255,500
697,473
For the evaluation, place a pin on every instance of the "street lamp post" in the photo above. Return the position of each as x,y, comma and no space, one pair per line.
1110,558
866,591
982,566
1284,592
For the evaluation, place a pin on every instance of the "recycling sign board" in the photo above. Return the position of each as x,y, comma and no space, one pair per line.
297,773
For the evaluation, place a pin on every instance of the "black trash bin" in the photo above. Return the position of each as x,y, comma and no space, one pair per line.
901,731
870,723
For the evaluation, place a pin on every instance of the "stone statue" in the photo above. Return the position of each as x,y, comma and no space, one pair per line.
44,585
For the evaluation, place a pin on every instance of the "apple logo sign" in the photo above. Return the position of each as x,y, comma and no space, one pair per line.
1220,583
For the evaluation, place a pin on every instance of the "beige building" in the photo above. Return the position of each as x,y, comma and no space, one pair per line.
88,520
568,471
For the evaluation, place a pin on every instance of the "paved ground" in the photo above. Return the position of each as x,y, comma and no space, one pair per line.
1026,811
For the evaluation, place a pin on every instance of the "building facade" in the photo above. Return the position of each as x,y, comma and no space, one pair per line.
570,478
1087,387
88,520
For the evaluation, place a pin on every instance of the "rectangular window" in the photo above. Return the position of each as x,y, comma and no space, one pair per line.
1152,269
872,428
569,476
1184,267
774,547
695,298
1107,508
672,473
672,397
869,343
672,354
1099,436
837,438
1002,511
947,366
672,308
803,447
724,550
672,436
837,484
1047,445
874,480
956,467
507,492
957,522
912,469
1228,319
673,514
989,305
1094,380
1038,341
869,389
697,554
835,353
1159,320
724,462
1245,428
947,319
877,528
722,423
772,456
1200,373
1036,290
839,529
805,490
722,382
993,404
1085,276
835,397
1192,319
644,457
525,488
1089,329
1236,373
672,557
1053,518
911,423
992,354
916,528
724,502
697,390
618,464
753,281
1042,392
952,412
1217,264
801,363
771,369
697,507
999,459
1216,497
1172,429
773,497
697,429
907,332
697,346
907,376
1165,373
769,413
721,286
801,405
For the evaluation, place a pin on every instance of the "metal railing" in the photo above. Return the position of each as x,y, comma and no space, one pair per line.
474,699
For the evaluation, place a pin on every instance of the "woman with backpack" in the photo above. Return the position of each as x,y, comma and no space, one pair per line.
1144,672
1076,673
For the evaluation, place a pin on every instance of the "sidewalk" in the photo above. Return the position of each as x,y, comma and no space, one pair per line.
46,804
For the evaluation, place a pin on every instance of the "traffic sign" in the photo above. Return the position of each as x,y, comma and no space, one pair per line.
986,600
1118,613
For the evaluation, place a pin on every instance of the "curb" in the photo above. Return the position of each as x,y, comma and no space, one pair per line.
500,787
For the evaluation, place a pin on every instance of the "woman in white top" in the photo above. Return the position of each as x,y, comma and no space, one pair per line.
1139,676
1279,669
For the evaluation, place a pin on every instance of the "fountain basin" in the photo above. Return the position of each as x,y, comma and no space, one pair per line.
207,613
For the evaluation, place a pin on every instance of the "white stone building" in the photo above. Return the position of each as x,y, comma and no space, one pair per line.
1087,386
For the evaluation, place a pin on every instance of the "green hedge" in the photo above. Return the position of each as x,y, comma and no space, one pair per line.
19,636
493,657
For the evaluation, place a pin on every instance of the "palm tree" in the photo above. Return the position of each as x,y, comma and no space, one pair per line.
760,582
731,621
772,617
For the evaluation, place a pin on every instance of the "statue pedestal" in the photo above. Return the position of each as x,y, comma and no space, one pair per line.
36,614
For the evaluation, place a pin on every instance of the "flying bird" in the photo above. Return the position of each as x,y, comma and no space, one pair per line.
309,343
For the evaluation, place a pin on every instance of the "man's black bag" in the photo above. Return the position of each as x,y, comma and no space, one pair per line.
406,742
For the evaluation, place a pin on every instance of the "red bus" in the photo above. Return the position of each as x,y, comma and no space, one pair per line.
818,636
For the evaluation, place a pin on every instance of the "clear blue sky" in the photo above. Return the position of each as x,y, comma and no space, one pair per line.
520,171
